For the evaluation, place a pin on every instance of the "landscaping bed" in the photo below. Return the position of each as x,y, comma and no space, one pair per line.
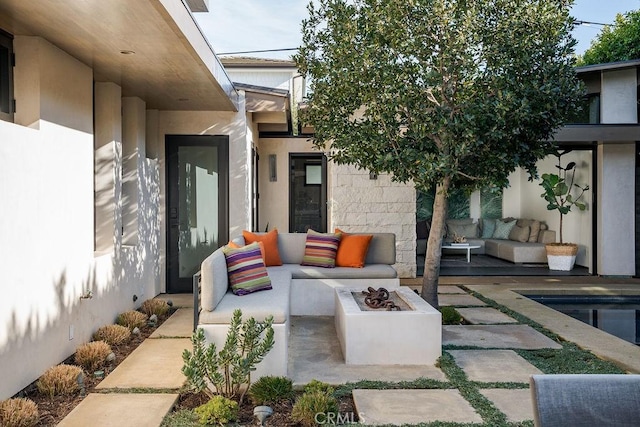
54,409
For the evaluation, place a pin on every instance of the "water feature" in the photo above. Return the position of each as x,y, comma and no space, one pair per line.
616,315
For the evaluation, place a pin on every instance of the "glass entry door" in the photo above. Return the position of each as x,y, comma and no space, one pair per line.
197,193
308,193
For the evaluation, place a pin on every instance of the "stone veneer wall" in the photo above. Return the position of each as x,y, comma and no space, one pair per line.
360,204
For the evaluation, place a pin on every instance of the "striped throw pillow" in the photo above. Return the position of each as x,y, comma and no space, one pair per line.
246,270
320,249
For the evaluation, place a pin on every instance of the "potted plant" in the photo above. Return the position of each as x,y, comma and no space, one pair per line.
562,194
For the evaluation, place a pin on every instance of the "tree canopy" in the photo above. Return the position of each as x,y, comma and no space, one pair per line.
441,93
619,42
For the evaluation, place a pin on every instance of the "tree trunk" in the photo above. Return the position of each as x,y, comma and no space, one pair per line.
434,253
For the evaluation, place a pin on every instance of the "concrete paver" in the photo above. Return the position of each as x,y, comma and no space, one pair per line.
118,410
398,407
485,316
496,336
494,365
180,324
459,300
156,363
515,404
450,290
314,353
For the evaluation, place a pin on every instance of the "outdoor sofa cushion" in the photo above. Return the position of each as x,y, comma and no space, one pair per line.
258,305
373,271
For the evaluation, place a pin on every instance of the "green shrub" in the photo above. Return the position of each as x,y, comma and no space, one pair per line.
450,316
229,370
92,355
60,380
219,410
315,385
112,334
154,306
314,406
18,412
268,390
132,319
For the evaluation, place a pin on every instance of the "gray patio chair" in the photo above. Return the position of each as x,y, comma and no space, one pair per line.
586,400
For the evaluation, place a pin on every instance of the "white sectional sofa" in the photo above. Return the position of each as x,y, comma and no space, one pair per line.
297,290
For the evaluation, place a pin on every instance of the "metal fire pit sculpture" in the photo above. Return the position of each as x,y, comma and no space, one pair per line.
379,299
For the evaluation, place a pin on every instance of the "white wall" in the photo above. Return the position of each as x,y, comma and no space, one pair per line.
616,202
523,200
47,220
619,103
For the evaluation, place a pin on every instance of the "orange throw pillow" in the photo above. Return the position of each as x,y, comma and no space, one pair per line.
234,245
270,240
353,248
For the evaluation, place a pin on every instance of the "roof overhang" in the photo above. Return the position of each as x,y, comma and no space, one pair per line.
153,49
609,66
598,133
271,108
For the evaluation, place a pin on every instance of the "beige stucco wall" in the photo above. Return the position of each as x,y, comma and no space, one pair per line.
274,195
47,220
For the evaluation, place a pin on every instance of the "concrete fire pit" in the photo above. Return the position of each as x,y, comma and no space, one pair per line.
412,336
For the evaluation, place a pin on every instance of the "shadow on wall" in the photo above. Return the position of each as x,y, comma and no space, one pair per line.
40,337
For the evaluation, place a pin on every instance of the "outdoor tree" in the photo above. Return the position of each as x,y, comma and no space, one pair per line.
619,42
442,93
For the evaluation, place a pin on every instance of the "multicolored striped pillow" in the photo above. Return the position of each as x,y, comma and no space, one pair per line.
320,249
246,270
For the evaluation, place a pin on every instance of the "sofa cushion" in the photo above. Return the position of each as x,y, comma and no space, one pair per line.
520,234
503,229
352,250
246,269
382,249
258,305
463,230
270,240
214,283
534,226
320,249
488,227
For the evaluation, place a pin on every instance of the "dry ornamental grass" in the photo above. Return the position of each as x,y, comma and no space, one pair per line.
112,334
132,319
92,355
18,412
60,379
155,306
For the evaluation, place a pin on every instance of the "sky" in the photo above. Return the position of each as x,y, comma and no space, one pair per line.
250,25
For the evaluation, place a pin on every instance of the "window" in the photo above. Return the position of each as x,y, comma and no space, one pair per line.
6,76
589,112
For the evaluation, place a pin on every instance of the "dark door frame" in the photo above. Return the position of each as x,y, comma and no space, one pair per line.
175,284
323,188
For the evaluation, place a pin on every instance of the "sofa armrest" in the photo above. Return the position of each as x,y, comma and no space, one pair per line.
547,236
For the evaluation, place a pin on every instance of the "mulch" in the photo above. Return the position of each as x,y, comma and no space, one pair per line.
53,410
